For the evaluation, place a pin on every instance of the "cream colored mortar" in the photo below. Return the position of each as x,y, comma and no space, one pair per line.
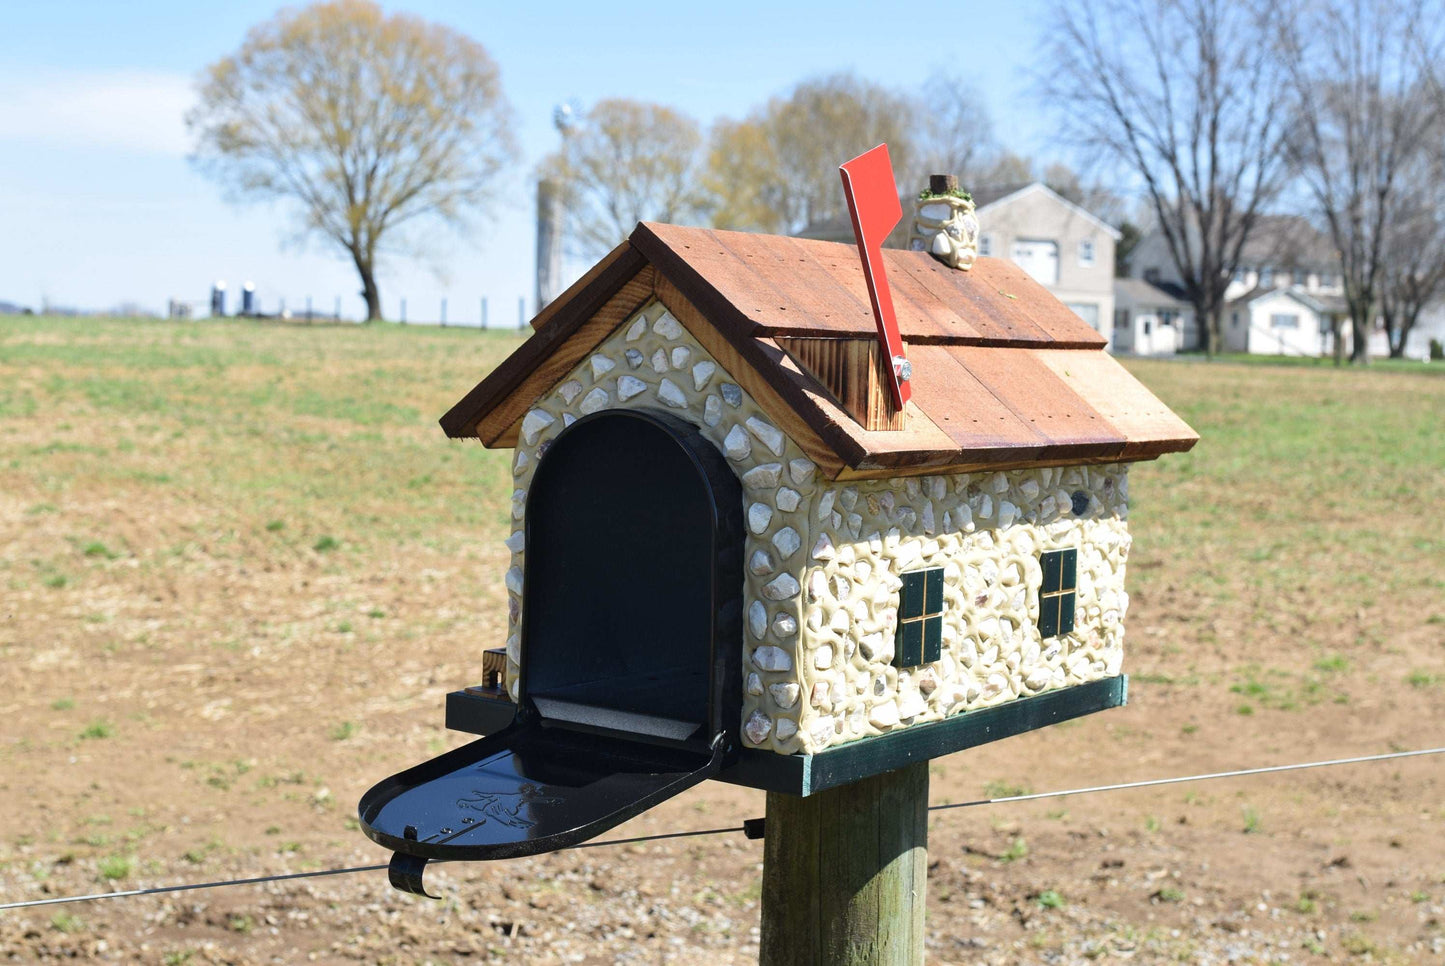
822,560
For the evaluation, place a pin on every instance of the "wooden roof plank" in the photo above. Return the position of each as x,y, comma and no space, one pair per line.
1067,423
1148,427
973,417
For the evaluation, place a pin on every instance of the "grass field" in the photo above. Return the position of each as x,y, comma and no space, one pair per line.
242,566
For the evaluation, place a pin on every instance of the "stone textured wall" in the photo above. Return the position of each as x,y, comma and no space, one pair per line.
822,560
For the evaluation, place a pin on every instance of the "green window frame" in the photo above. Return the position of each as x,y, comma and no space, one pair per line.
1058,592
919,639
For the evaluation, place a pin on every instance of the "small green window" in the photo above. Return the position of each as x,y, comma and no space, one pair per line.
920,619
1057,592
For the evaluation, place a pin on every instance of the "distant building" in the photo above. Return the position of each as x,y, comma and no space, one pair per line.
1283,299
1068,250
1148,319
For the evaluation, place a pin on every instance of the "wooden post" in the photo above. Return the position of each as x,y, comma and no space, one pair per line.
845,874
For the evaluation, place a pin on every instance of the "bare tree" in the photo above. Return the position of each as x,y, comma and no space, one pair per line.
1365,98
1413,270
626,161
955,133
370,124
777,170
1183,96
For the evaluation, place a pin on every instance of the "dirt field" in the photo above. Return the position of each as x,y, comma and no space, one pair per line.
241,567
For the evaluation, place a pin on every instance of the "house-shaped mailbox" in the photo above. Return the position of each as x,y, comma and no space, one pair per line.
733,557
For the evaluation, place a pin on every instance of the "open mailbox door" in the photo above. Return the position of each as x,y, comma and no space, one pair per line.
629,685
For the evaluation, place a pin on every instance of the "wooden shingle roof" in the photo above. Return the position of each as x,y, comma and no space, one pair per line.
1003,374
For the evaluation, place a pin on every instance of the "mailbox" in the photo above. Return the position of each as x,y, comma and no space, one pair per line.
740,553
628,684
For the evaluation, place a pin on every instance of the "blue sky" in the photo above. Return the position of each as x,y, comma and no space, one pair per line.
99,204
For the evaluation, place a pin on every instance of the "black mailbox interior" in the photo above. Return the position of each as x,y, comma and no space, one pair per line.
630,684
621,580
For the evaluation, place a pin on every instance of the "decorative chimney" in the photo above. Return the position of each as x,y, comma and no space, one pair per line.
944,224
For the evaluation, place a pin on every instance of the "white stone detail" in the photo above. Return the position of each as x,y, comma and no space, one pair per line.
785,695
601,366
781,587
638,329
767,434
755,684
659,361
787,542
770,658
533,423
629,386
517,541
757,727
569,390
712,411
788,499
757,619
667,327
671,395
759,516
761,563
701,373
823,548
737,445
785,729
593,401
785,625
802,471
763,477
680,355
514,581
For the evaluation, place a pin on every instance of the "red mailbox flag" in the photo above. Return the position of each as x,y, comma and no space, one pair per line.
873,202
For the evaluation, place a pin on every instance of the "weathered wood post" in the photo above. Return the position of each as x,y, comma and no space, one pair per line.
845,873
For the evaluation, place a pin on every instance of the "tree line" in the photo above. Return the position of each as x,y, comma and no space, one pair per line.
1199,118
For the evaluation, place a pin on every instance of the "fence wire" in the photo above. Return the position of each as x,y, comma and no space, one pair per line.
753,828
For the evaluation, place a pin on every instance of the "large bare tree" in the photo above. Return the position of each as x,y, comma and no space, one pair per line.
1366,102
777,170
1184,97
1413,270
626,161
369,124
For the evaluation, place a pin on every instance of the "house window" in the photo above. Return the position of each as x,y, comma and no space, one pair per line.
1284,320
1057,592
985,245
1039,257
1147,327
1151,275
1266,278
1086,253
1234,320
920,619
1088,311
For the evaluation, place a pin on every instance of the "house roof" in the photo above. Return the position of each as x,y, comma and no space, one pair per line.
1287,241
1003,374
987,196
1260,293
1142,292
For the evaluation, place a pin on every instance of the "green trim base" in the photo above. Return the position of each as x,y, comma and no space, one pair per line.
809,774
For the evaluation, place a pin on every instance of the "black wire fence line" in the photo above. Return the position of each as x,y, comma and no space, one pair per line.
752,828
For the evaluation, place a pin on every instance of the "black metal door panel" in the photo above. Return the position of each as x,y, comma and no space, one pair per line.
526,790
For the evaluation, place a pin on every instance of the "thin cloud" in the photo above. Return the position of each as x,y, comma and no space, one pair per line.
137,111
